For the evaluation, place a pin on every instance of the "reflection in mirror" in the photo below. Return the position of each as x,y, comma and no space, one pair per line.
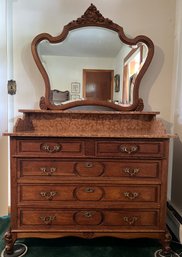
97,50
132,65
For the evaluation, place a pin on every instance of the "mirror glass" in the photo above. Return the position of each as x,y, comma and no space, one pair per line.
89,52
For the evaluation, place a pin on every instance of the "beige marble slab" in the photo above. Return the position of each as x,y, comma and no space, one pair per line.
89,124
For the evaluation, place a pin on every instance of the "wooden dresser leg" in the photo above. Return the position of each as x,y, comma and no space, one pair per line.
13,249
166,241
166,248
9,241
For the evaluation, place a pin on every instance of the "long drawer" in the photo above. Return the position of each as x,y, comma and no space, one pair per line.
59,219
88,192
88,168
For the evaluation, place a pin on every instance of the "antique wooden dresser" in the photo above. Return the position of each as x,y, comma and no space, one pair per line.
88,175
90,168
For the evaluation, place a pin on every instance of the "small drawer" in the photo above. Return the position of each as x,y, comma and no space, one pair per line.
51,147
133,169
78,219
45,167
130,149
127,193
37,193
131,219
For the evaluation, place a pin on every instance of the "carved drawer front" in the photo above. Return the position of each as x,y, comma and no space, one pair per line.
130,149
88,168
51,147
37,193
132,169
53,167
134,193
133,218
117,193
88,217
59,219
45,167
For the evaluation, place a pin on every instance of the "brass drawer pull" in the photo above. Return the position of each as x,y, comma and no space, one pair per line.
130,220
48,195
128,149
131,171
89,190
131,195
48,219
48,171
88,165
51,149
87,214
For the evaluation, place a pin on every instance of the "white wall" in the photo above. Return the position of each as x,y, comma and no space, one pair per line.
63,70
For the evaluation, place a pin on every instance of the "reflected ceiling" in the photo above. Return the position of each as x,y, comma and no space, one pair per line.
85,42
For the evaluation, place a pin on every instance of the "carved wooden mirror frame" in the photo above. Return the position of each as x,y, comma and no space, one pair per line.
92,17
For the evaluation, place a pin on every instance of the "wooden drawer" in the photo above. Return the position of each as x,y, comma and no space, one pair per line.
88,168
132,169
88,192
59,219
129,169
130,149
45,167
53,147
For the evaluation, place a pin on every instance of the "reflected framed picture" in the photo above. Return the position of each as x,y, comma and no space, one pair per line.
75,97
117,82
75,87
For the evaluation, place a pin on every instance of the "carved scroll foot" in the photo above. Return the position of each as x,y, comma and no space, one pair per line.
166,250
166,241
9,242
11,249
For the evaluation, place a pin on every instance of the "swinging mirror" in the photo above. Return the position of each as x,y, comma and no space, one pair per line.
92,63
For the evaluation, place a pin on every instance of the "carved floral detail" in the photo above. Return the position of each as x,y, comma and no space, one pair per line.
91,15
140,105
88,235
42,103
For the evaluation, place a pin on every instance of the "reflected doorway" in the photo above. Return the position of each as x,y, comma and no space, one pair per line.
98,84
